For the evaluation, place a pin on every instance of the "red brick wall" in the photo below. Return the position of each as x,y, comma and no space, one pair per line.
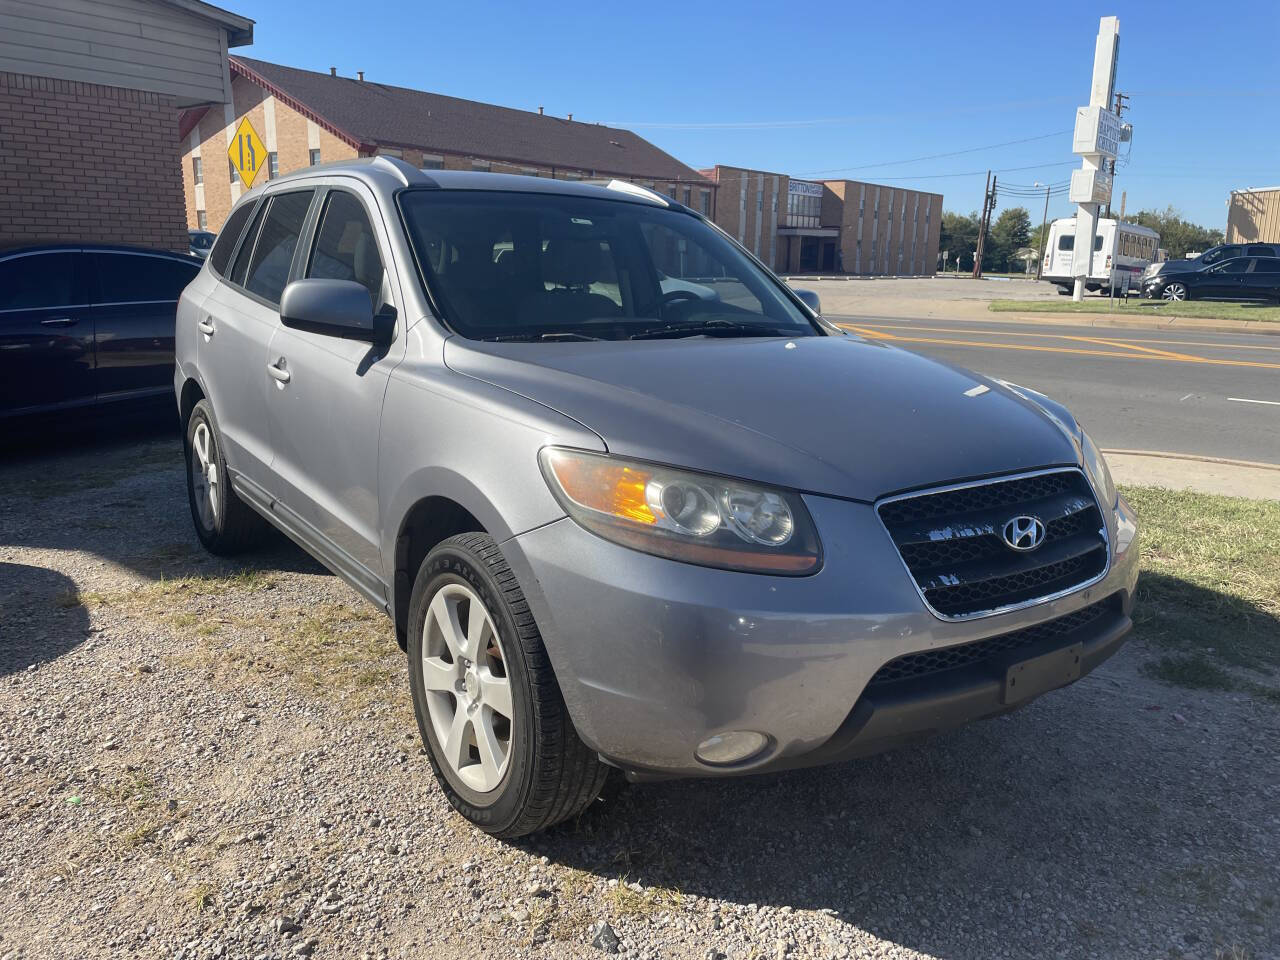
84,162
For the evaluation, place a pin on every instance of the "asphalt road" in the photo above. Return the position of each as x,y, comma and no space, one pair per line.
1207,394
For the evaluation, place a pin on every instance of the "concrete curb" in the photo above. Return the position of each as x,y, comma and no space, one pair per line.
1138,323
1176,471
1161,454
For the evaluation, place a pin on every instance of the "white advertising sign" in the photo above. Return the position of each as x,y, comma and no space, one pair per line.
1097,132
804,188
1090,186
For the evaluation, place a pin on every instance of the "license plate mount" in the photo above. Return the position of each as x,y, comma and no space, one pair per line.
1024,679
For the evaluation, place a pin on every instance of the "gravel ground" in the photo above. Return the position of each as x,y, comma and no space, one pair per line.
211,759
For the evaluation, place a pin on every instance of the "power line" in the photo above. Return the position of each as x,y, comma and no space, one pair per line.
953,153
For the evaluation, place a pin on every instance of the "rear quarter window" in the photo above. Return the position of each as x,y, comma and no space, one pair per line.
228,236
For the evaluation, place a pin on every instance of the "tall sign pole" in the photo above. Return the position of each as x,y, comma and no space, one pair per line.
1097,140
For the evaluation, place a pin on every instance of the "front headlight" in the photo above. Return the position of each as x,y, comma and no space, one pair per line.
692,517
1095,464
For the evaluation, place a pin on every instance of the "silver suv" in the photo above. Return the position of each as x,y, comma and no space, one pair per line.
629,500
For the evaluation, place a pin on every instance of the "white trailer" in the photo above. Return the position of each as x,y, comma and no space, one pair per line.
1118,248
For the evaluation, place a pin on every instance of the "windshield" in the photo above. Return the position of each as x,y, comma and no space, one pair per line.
529,266
202,241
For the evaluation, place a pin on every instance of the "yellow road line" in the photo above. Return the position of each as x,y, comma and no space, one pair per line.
907,325
1169,358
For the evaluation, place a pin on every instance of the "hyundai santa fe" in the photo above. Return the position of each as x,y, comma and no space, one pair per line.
630,501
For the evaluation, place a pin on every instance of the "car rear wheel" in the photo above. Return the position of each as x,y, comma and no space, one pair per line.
224,523
488,705
1174,291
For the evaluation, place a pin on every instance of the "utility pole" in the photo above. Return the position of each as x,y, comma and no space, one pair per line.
1098,133
1044,231
1120,109
1124,194
988,201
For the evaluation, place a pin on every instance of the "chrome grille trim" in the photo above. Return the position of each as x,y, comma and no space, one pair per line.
1076,472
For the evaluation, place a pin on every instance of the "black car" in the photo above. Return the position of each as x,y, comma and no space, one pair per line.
84,328
1244,278
1212,257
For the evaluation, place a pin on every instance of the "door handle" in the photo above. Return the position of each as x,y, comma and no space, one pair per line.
278,371
205,326
60,322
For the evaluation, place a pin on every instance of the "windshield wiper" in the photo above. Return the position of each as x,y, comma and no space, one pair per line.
532,337
714,328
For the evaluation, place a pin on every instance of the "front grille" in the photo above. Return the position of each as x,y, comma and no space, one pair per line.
926,662
952,542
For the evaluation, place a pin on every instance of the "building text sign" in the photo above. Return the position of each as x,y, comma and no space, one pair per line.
1097,132
1090,186
247,152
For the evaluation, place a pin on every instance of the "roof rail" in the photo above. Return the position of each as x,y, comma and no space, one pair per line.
622,186
405,172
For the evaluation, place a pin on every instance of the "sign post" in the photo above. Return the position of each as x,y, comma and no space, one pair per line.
1097,140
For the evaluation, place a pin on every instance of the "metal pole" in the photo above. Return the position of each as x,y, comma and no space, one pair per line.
1044,230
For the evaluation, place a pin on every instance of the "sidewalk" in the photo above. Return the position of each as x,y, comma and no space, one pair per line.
844,298
1233,478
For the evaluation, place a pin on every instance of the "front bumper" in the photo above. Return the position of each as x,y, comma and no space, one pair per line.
655,656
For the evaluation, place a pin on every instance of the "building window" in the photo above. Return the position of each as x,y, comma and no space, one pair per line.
481,165
235,176
202,220
706,203
391,152
688,196
571,176
529,171
273,165
314,156
432,163
197,170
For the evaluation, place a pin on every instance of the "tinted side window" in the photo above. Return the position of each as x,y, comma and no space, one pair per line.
1237,266
1260,250
40,280
1222,253
124,277
1270,265
345,246
226,242
1067,241
241,265
278,238
1097,243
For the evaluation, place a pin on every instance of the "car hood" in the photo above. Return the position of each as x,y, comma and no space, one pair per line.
831,415
1175,266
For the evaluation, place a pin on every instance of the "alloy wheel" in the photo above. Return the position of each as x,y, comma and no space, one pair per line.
204,474
468,692
1175,291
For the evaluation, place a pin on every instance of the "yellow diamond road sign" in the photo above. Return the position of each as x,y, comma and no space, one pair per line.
247,152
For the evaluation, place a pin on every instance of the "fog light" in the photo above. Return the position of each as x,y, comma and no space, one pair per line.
733,746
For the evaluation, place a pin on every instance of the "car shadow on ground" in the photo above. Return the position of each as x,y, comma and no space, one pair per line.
24,641
1115,805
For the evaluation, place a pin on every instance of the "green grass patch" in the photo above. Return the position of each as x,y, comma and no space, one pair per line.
1145,309
1209,593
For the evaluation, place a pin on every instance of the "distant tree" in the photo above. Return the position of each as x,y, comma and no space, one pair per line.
1177,234
1009,234
960,237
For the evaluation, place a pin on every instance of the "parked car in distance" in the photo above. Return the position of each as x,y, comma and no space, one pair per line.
87,327
1211,257
1242,278
201,242
622,525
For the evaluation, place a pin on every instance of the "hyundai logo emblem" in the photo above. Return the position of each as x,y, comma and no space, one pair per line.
1023,533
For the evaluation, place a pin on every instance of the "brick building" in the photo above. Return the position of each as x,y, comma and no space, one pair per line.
829,226
305,118
89,100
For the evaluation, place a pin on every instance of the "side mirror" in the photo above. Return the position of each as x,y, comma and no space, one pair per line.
810,300
338,308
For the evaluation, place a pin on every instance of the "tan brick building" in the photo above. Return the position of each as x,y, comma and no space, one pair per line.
305,118
829,226
89,101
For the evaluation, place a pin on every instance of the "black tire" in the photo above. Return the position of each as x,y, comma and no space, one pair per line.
232,526
1064,291
551,775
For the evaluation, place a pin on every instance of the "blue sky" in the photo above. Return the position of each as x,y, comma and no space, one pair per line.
844,89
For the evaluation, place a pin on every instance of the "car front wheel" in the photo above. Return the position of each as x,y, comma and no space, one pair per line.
488,705
1174,291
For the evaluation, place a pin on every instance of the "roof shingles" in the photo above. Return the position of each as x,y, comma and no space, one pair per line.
375,113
